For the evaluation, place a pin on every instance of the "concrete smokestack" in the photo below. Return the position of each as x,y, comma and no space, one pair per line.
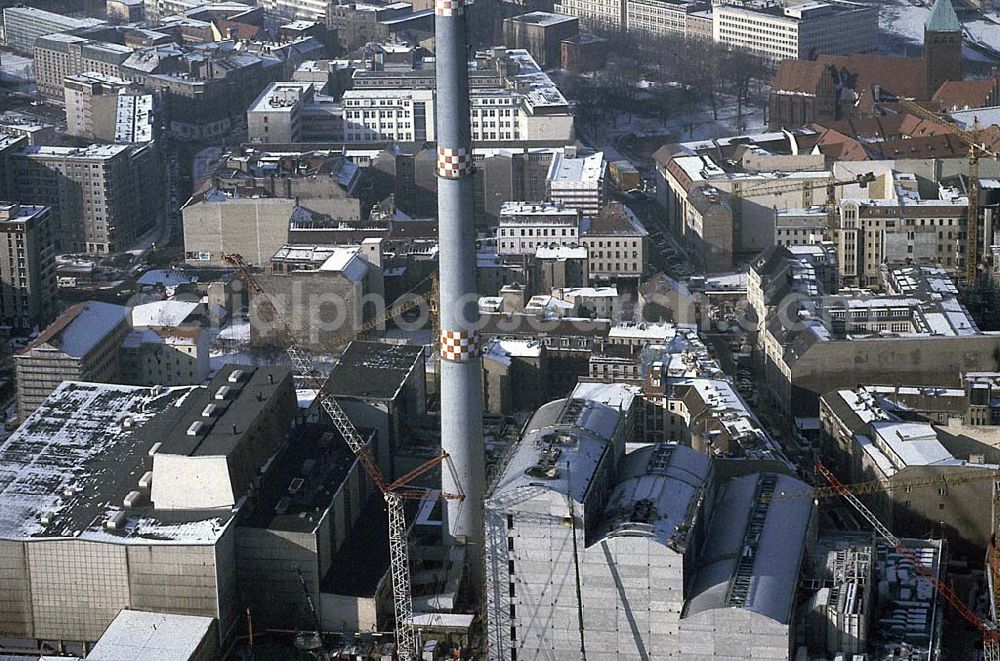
461,365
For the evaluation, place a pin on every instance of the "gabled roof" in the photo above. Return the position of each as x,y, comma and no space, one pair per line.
942,18
81,328
965,94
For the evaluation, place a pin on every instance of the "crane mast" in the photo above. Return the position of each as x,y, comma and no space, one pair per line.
393,493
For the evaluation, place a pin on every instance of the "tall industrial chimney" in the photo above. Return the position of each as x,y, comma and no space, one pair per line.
461,365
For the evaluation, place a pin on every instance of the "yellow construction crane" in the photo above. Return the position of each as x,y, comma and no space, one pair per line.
875,486
977,149
762,190
393,492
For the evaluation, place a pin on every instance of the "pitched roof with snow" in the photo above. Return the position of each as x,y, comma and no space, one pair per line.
81,328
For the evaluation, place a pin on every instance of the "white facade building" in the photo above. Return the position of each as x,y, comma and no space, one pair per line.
525,227
781,31
578,182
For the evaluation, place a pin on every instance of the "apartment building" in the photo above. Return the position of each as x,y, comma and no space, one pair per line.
103,197
92,105
82,344
24,25
525,227
867,434
165,355
578,182
294,112
27,267
58,56
204,89
905,229
616,243
783,30
812,338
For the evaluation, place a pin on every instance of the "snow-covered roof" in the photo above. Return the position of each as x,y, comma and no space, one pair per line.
152,636
78,455
348,262
580,432
81,328
658,332
910,444
166,278
163,313
616,395
657,495
502,350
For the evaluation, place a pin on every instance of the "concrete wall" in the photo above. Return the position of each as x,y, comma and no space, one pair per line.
734,634
253,227
71,590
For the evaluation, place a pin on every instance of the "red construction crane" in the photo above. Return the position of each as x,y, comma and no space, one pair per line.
393,492
991,638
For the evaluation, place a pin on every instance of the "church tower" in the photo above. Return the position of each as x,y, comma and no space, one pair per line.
942,46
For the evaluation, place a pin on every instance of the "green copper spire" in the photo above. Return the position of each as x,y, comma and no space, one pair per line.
942,18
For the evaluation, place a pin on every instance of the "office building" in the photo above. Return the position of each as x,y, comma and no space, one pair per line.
666,17
82,344
92,105
23,25
578,182
512,99
27,266
103,197
59,56
782,31
293,112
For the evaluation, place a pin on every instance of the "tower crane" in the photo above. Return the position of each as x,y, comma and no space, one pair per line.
759,191
394,493
874,486
991,635
977,149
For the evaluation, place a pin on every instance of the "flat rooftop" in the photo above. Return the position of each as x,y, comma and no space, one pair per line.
374,370
77,456
153,636
544,18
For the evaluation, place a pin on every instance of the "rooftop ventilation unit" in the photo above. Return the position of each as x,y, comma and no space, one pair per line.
115,521
235,376
223,392
195,428
209,411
